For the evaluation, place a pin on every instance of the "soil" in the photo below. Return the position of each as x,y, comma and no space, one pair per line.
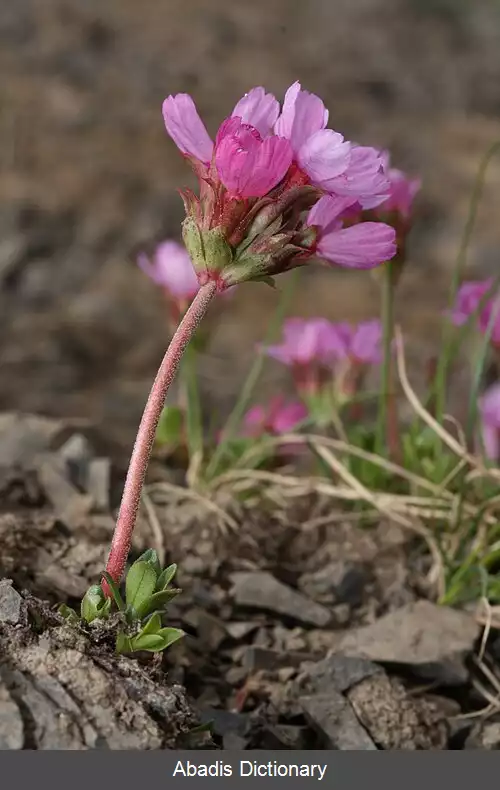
304,629
87,178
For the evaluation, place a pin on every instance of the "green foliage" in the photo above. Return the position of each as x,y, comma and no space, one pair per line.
147,594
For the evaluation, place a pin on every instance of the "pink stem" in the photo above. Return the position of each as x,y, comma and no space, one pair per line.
122,538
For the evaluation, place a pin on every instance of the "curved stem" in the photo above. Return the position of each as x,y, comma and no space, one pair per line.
141,453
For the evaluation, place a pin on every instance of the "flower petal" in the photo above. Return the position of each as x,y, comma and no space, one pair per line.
303,114
361,246
258,108
327,211
186,128
366,345
364,178
324,156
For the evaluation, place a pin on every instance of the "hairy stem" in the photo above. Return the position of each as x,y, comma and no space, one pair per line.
141,453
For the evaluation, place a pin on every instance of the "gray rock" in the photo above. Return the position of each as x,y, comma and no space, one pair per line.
11,723
70,506
394,719
22,436
257,658
484,736
76,453
332,715
338,672
342,582
260,590
433,640
98,482
10,603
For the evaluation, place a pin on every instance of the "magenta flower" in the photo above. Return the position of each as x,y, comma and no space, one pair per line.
334,165
402,190
468,298
360,246
171,268
365,342
489,410
271,188
309,340
277,417
249,166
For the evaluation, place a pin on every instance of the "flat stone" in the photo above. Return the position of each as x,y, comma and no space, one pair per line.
76,453
98,482
240,630
10,603
22,436
396,720
484,736
433,640
339,672
11,723
70,506
332,715
342,582
257,658
260,590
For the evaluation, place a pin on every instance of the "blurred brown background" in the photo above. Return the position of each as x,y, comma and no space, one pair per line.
88,175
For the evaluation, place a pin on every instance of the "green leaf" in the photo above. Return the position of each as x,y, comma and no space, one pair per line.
152,626
139,584
171,635
156,602
123,643
94,604
151,642
151,557
68,613
166,576
115,592
170,427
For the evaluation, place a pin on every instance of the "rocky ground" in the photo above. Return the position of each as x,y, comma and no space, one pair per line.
322,637
303,629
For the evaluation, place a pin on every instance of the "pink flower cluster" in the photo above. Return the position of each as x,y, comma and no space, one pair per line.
489,410
171,268
275,184
469,296
276,417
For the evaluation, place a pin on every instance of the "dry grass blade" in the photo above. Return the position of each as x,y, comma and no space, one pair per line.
225,520
158,539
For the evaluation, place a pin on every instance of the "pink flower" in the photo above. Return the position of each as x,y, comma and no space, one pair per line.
489,409
469,296
263,204
277,417
365,342
249,166
309,340
249,161
402,190
171,268
361,246
331,163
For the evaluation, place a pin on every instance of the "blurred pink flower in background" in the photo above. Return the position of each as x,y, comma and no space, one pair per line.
170,267
276,417
468,298
308,340
402,190
489,411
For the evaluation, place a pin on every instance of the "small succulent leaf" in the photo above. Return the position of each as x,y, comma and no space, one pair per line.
157,602
139,584
93,605
123,643
115,592
166,576
152,626
170,635
68,613
151,642
151,557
